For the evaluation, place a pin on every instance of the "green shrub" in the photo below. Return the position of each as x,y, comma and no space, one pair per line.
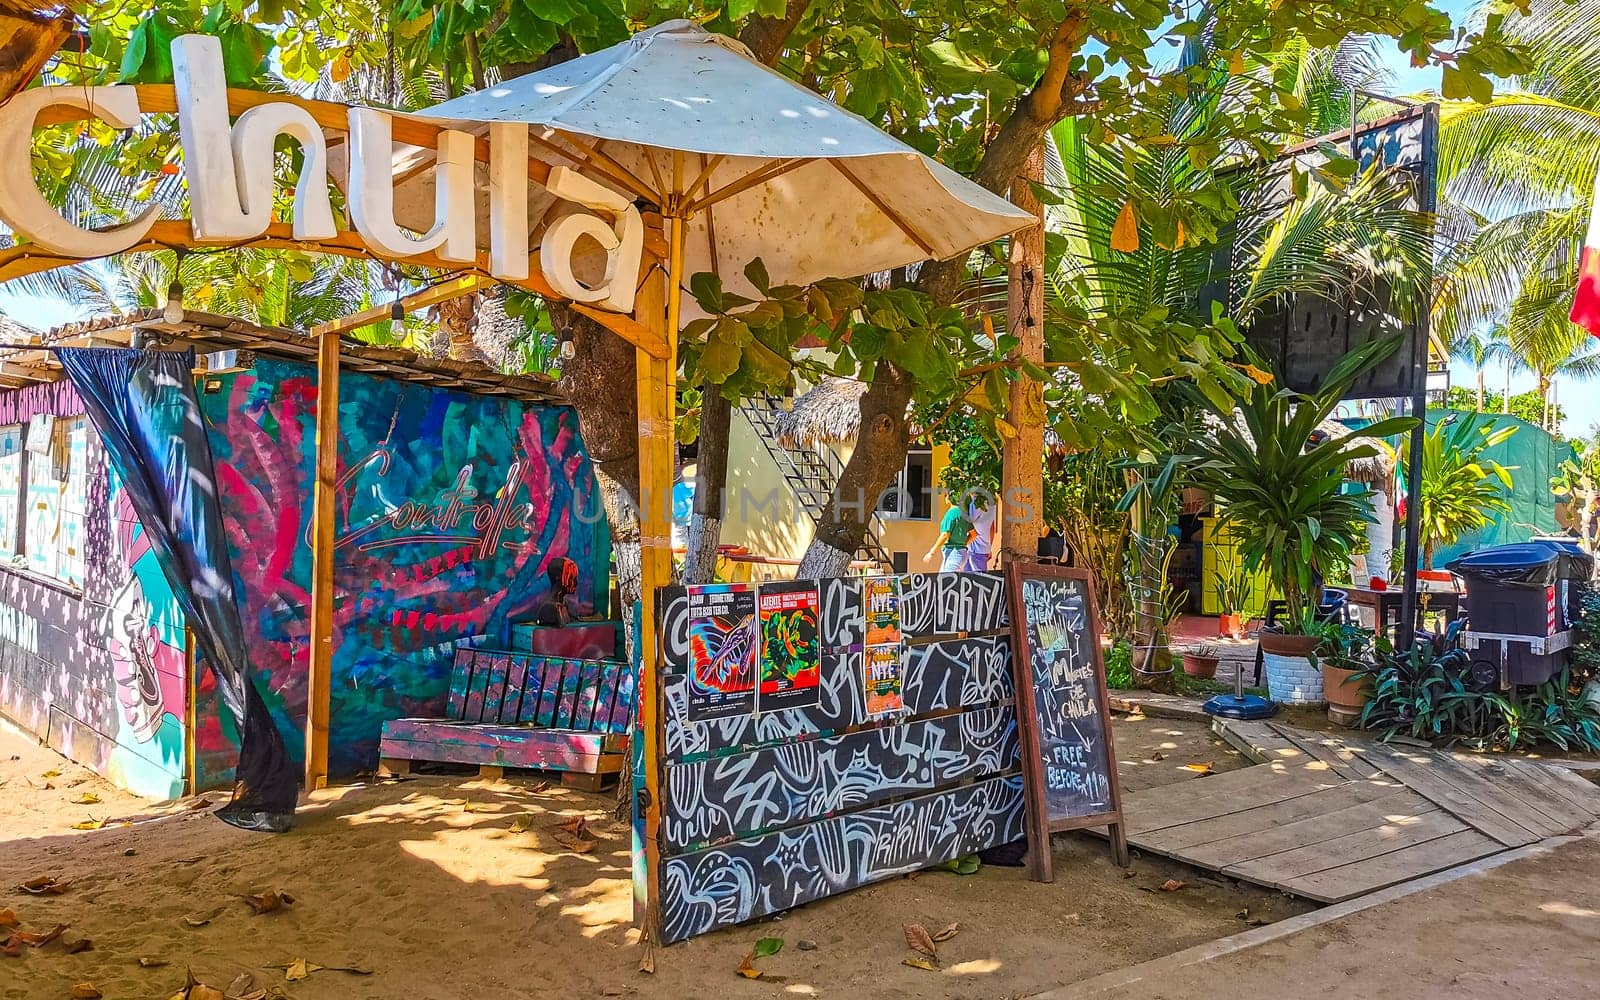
1119,665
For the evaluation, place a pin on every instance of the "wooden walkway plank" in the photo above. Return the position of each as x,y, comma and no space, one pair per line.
1280,871
1426,780
1336,885
1234,835
1171,805
1501,792
1258,741
1341,814
1580,789
1334,751
1537,784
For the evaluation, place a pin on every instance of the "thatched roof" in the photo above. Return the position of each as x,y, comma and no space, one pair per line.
1375,472
828,414
12,332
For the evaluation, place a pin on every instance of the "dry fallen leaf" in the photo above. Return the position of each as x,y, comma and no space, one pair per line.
8,918
747,967
195,920
918,939
1204,767
1173,885
919,962
86,799
1128,873
51,774
243,984
575,825
86,991
267,902
299,969
571,841
647,960
543,786
44,885
90,824
152,963
946,933
12,948
1158,755
521,822
80,945
39,940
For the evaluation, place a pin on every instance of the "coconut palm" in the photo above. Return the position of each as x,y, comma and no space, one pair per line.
1480,350
1517,175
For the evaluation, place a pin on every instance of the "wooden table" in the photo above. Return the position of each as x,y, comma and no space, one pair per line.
1385,604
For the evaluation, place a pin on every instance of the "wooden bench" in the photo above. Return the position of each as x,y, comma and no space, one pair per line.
508,709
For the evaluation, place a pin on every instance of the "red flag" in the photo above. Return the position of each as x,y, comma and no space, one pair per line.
1586,304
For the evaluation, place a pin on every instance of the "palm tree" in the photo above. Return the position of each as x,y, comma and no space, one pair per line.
1517,175
1480,350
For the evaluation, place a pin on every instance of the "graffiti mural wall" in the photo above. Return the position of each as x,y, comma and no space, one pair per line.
450,508
91,641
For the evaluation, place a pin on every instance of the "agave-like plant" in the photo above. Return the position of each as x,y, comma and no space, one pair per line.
1282,498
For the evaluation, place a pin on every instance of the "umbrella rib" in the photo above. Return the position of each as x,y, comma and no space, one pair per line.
707,164
584,156
758,176
711,241
895,217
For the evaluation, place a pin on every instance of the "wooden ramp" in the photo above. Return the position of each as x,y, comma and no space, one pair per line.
1330,818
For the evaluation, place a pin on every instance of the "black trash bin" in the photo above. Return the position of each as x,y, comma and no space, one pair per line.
1521,602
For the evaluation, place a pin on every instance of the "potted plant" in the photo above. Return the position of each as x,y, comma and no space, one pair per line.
1233,592
1348,654
1201,661
1282,495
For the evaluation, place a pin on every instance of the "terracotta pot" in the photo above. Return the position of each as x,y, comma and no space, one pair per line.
1346,693
1230,627
1203,667
1288,645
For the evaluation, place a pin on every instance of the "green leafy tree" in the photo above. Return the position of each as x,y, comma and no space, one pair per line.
1460,487
1524,405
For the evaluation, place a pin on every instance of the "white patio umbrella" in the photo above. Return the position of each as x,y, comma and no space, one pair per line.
766,168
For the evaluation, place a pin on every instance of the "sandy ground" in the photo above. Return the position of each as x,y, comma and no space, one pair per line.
450,887
1525,930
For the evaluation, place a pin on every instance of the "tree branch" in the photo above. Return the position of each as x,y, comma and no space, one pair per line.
767,36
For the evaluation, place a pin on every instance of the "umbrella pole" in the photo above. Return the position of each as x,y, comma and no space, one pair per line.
658,307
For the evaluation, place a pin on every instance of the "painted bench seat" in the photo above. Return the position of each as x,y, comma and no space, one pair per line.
516,709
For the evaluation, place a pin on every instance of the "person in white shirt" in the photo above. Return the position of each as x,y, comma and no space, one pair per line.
981,513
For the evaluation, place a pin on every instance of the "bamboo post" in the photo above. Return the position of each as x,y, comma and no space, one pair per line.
1021,503
657,307
319,690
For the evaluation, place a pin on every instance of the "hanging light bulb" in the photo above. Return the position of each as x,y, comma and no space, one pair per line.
173,311
567,348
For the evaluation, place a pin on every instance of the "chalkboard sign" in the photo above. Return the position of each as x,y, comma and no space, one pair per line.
1068,762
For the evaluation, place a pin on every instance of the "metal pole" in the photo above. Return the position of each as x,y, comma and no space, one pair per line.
1427,202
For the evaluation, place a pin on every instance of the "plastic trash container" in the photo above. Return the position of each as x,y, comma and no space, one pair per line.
1521,601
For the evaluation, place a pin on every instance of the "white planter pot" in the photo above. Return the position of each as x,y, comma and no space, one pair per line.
1293,680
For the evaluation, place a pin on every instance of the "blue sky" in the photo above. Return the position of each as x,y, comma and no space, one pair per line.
1581,403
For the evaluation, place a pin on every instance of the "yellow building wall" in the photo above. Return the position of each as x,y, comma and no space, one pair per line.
1214,537
764,516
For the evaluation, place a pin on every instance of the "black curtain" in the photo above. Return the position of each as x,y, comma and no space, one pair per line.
144,406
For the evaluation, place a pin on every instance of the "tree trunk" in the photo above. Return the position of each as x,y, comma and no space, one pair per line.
1480,390
710,486
1020,506
879,454
1505,402
1544,401
456,322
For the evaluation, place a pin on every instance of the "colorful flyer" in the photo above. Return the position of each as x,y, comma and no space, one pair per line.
883,610
790,651
722,651
881,672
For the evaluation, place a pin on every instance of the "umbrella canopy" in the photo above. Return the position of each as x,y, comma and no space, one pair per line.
766,168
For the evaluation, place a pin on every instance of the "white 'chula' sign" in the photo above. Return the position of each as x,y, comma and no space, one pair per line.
229,172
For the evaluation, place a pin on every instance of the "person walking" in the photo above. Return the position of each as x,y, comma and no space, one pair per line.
981,513
955,534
